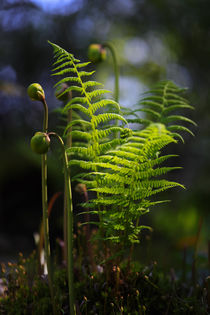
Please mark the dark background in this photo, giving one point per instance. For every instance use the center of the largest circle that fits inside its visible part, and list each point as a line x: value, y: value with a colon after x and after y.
x: 154, y: 40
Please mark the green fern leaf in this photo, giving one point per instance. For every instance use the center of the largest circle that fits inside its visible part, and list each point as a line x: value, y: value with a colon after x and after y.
x: 90, y: 84
x: 173, y: 118
x: 180, y: 128
x: 85, y: 73
x: 161, y: 100
x: 107, y: 117
x: 96, y: 93
x: 103, y: 103
x: 77, y: 122
x: 176, y: 107
x: 125, y: 173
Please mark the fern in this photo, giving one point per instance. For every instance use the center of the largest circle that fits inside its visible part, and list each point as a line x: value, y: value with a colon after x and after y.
x: 159, y: 103
x: 88, y: 105
x: 127, y: 180
x: 125, y: 173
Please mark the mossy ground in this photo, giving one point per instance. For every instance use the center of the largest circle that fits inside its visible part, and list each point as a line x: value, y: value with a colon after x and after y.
x: 128, y: 288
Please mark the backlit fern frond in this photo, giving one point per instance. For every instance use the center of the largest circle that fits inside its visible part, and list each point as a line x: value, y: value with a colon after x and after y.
x: 159, y: 105
x: 86, y: 102
x: 128, y: 176
x: 124, y: 172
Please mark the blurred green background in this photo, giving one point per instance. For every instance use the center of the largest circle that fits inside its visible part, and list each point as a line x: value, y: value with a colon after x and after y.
x: 154, y: 40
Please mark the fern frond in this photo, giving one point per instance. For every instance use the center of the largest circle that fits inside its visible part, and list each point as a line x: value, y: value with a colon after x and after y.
x: 149, y: 111
x: 84, y: 152
x: 82, y: 64
x: 67, y: 79
x: 117, y: 160
x: 125, y: 177
x: 180, y: 128
x: 135, y: 162
x: 90, y: 84
x: 64, y: 71
x: 111, y: 191
x: 75, y: 100
x: 86, y: 165
x: 126, y: 155
x: 155, y: 172
x: 152, y: 102
x: 79, y: 107
x: 104, y: 147
x: 127, y: 172
x: 67, y: 63
x: 85, y: 73
x: 77, y: 134
x: 105, y: 132
x: 63, y: 65
x: 96, y: 93
x: 77, y: 122
x: 173, y: 118
x: 114, y: 167
x: 176, y: 107
x: 161, y: 100
x: 70, y: 89
x: 103, y: 103
x: 107, y: 117
x: 145, y: 122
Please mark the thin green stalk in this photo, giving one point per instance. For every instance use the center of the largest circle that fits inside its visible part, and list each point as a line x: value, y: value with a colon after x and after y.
x: 69, y: 145
x: 116, y: 69
x: 116, y: 74
x: 70, y: 268
x: 45, y: 209
x: 45, y: 213
x: 45, y: 122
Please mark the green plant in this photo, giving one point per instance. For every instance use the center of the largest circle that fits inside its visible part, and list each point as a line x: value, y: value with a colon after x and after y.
x: 111, y: 48
x: 123, y: 167
x: 40, y: 143
x: 158, y: 103
x: 94, y: 139
x: 126, y: 175
x: 27, y: 292
x: 122, y: 171
x: 144, y: 289
x: 36, y: 92
x: 97, y: 53
x: 70, y: 267
x: 126, y: 181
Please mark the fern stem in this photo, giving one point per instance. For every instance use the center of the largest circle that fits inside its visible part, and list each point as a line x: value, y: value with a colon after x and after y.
x: 69, y: 145
x: 116, y: 74
x: 70, y: 268
x: 116, y: 69
x: 45, y: 121
x: 94, y: 131
x: 45, y: 210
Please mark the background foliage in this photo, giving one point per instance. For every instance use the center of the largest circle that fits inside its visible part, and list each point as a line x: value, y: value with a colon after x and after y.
x: 154, y: 40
